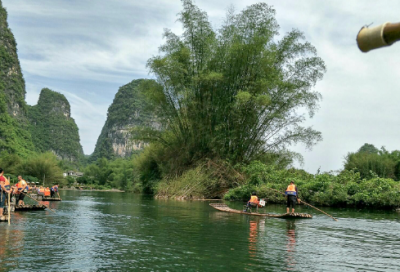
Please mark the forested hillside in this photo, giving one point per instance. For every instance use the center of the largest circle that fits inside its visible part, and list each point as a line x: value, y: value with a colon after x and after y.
x: 14, y: 135
x: 53, y: 128
x: 127, y: 111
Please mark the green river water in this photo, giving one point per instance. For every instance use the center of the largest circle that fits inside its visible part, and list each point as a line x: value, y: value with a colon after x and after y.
x: 102, y: 231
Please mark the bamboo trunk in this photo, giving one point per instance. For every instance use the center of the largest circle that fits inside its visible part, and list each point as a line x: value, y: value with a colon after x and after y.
x: 9, y: 207
x: 378, y: 36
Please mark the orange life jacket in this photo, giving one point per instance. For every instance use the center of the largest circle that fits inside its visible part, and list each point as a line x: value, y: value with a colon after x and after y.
x: 254, y: 199
x: 6, y: 183
x: 291, y: 190
x: 47, y: 192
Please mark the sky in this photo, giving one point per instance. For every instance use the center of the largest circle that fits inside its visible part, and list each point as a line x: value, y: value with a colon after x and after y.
x: 87, y: 49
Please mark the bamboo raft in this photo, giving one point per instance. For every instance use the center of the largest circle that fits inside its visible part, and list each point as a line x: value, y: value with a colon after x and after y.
x: 224, y: 208
x: 44, y: 198
x: 23, y: 208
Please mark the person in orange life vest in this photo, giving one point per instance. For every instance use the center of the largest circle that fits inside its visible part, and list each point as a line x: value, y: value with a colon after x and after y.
x: 4, y: 190
x: 291, y: 196
x: 47, y: 191
x: 22, y: 190
x: 253, y: 202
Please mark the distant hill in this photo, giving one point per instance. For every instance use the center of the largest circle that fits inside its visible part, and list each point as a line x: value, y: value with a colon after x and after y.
x: 52, y: 127
x: 126, y: 112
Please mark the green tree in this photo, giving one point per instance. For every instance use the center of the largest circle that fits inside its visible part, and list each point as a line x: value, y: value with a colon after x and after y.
x: 43, y: 166
x: 232, y: 93
x: 368, y: 148
x: 370, y: 162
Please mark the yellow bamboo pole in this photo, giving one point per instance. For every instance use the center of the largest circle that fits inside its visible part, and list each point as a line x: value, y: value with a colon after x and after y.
x: 9, y: 207
x: 305, y: 203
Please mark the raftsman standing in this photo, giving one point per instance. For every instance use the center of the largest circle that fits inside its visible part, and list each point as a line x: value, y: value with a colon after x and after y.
x: 291, y: 196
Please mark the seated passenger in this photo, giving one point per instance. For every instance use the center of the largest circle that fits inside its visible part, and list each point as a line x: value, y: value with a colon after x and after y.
x: 253, y: 202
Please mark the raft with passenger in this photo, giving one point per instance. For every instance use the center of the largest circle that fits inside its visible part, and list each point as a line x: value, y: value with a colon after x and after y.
x: 224, y: 208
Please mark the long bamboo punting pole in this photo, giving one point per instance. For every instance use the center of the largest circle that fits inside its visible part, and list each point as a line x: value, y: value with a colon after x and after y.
x: 38, y: 202
x: 305, y: 203
x: 9, y: 208
x: 369, y: 38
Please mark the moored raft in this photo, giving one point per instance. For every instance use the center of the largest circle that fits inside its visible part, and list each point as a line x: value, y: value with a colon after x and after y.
x: 224, y: 208
x: 21, y: 208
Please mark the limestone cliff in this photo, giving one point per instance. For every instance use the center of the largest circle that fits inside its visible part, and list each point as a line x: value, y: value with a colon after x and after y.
x: 14, y: 136
x: 12, y: 83
x: 52, y: 127
x: 126, y: 112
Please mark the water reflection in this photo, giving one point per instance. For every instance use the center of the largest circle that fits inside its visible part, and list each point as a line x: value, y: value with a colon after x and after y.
x: 256, y: 225
x: 291, y: 244
x: 11, y: 246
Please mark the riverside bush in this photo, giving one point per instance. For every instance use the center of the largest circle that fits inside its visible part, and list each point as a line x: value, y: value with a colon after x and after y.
x: 325, y: 189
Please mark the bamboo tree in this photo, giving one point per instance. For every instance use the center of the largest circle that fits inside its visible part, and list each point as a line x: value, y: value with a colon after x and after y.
x: 236, y: 92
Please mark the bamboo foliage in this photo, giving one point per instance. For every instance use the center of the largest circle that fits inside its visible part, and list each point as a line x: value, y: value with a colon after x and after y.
x: 234, y: 92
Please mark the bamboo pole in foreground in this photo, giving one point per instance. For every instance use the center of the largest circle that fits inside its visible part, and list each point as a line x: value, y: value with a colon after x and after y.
x: 9, y: 208
x: 305, y: 203
x: 369, y: 38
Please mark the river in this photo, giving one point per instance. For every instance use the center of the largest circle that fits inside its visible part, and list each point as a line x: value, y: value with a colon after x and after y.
x: 103, y: 231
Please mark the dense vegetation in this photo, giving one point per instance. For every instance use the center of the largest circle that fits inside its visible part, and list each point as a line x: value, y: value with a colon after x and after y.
x: 127, y: 111
x: 36, y: 167
x: 107, y: 174
x: 368, y: 179
x: 370, y: 161
x: 327, y: 189
x: 14, y: 136
x: 231, y: 94
x: 52, y: 127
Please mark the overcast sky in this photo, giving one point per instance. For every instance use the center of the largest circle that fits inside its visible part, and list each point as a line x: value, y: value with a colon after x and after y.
x: 87, y: 49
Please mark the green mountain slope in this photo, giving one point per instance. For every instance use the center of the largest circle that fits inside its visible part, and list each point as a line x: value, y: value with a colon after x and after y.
x: 52, y: 127
x: 126, y: 112
x: 14, y: 134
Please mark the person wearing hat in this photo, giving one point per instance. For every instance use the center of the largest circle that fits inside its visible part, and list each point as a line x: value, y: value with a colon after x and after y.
x: 291, y: 196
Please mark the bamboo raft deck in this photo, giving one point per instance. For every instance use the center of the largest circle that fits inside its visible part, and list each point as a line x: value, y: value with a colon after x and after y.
x: 224, y: 208
x: 23, y: 208
x: 44, y: 198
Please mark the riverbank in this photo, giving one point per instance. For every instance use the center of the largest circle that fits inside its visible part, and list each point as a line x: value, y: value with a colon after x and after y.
x: 345, y: 189
x: 329, y: 189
